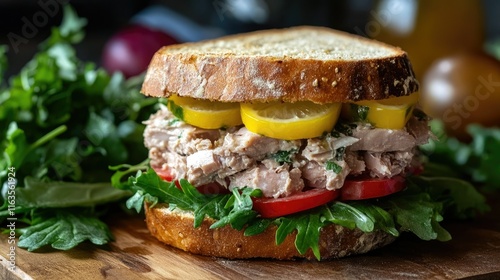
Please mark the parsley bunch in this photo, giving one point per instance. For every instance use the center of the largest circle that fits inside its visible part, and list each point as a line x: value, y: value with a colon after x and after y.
x: 63, y: 121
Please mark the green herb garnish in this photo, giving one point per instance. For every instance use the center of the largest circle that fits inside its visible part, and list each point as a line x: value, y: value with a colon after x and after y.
x: 175, y: 109
x: 332, y: 165
x: 360, y: 112
x: 283, y: 157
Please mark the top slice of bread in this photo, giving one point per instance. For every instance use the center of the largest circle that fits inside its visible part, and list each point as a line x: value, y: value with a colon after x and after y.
x: 295, y: 64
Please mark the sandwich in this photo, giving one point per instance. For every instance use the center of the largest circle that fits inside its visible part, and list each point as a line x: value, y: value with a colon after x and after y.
x: 284, y: 144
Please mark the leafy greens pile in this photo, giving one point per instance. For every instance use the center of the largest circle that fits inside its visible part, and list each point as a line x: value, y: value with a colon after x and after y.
x: 62, y: 123
x: 477, y: 161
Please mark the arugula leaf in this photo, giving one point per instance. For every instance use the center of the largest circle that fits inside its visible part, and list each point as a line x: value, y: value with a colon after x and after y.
x: 381, y: 218
x: 235, y: 210
x: 240, y: 205
x: 136, y: 201
x: 418, y: 214
x: 64, y: 230
x: 308, y: 229
x: 346, y: 215
x: 257, y: 226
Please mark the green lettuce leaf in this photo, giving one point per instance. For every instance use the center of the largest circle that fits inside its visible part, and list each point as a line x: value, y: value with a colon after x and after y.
x: 40, y: 194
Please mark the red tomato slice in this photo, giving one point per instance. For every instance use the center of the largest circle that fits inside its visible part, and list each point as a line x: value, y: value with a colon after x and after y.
x: 371, y: 188
x: 164, y: 174
x: 277, y: 207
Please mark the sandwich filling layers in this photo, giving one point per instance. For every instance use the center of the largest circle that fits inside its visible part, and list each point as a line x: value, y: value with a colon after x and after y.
x: 235, y: 157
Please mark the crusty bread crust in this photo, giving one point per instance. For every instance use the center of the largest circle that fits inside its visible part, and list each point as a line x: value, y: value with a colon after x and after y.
x: 176, y: 229
x: 243, y: 71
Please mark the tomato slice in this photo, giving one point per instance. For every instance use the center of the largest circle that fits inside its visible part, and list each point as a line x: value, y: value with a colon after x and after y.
x: 164, y: 174
x: 371, y: 188
x: 277, y: 207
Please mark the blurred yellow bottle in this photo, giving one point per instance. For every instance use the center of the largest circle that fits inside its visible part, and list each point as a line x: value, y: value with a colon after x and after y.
x: 427, y: 29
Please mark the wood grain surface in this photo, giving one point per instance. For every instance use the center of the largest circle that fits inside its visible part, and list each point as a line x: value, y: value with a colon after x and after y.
x: 474, y: 253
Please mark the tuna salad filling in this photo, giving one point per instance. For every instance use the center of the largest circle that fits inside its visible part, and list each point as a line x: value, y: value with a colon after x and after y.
x: 236, y: 157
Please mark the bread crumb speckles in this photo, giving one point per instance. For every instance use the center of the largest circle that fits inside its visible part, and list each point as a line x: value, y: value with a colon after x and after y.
x: 336, y: 69
x: 324, y: 79
x: 315, y: 83
x: 302, y: 75
x: 334, y: 83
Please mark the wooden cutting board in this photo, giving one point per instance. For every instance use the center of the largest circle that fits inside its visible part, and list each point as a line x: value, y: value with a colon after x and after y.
x: 474, y: 253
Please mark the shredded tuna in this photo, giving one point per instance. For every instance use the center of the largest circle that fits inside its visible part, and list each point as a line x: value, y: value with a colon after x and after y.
x: 382, y: 140
x: 165, y: 131
x: 419, y: 129
x: 356, y: 162
x: 237, y: 157
x: 317, y: 176
x: 387, y: 164
x: 274, y: 181
x: 202, y: 166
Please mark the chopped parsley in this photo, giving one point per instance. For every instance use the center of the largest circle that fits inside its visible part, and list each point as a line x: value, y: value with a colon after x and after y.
x: 344, y: 128
x: 360, y: 112
x: 283, y: 157
x: 173, y: 121
x: 332, y: 165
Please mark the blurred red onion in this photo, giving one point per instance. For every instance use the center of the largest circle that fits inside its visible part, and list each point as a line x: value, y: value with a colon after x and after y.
x: 130, y: 50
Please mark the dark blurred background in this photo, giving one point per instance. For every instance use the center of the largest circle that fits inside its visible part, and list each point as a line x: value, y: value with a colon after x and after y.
x: 105, y: 18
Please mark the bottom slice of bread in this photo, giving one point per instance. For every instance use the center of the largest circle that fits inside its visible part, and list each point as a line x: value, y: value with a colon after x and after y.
x: 176, y: 228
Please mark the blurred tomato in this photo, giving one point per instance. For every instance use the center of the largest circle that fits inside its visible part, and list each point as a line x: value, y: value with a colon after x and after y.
x: 130, y: 50
x: 463, y: 89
